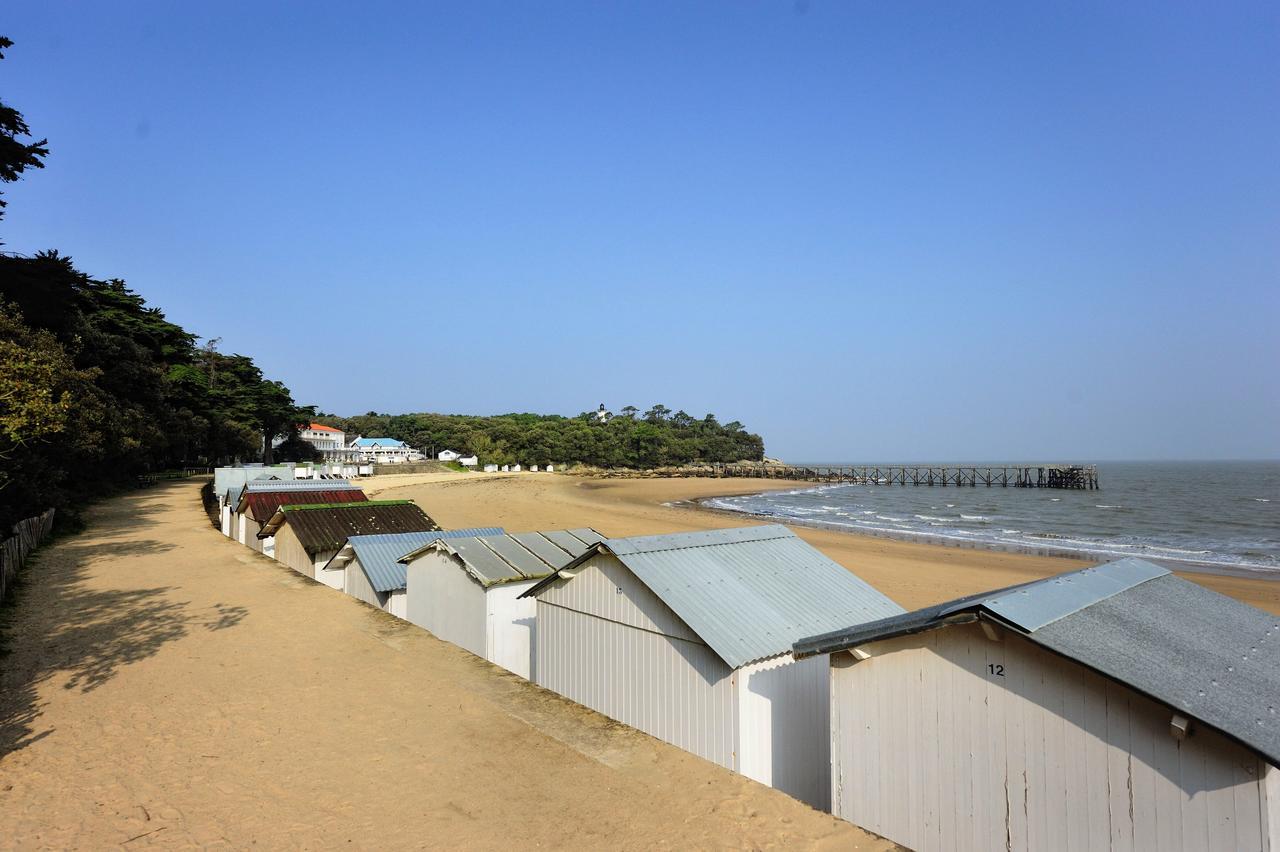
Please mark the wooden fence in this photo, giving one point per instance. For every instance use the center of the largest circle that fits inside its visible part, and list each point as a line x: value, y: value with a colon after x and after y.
x: 27, y: 535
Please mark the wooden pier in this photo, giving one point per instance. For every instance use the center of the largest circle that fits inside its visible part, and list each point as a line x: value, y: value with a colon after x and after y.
x: 1073, y: 476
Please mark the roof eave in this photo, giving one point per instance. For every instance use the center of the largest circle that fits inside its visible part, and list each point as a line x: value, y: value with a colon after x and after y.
x: 577, y: 562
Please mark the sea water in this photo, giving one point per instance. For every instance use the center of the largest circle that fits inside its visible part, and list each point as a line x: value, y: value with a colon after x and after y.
x: 1210, y: 515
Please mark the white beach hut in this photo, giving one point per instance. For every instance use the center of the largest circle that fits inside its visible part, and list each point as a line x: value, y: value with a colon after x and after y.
x: 467, y: 590
x: 366, y: 566
x: 491, y: 468
x: 1115, y: 707
x: 688, y: 638
x: 228, y: 483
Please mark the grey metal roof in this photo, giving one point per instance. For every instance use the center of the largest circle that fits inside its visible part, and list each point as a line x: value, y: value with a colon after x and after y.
x: 227, y: 481
x: 298, y: 485
x: 378, y: 554
x: 1206, y: 655
x: 570, y: 541
x: 494, y: 559
x: 749, y: 592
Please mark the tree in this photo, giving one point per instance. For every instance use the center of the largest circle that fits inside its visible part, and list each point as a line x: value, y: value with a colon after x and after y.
x: 16, y: 156
x: 657, y: 414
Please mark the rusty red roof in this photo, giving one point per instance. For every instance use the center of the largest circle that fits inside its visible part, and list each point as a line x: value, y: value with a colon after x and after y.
x: 320, y: 427
x: 261, y: 505
x: 327, y: 527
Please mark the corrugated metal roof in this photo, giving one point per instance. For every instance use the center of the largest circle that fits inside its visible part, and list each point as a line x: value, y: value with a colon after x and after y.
x: 264, y: 504
x: 378, y: 554
x: 227, y: 481
x: 335, y: 484
x: 494, y: 559
x: 1201, y: 653
x: 749, y: 592
x: 1032, y: 607
x: 568, y: 541
x: 327, y: 527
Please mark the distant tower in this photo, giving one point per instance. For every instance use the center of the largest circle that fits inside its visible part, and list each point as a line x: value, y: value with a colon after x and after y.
x: 602, y: 414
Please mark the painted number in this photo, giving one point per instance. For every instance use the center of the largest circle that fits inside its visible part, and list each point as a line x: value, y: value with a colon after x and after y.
x: 996, y: 669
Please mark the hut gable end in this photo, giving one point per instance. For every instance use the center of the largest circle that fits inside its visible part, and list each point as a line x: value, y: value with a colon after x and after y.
x: 605, y: 588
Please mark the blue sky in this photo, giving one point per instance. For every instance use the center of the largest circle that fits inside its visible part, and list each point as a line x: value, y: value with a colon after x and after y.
x: 875, y: 231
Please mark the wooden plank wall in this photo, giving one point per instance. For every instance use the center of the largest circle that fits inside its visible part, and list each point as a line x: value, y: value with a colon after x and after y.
x: 949, y: 740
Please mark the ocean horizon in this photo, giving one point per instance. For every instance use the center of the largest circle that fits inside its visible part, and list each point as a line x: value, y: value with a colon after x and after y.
x: 1218, y: 516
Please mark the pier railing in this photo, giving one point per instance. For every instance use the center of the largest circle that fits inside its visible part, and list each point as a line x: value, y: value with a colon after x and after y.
x: 1081, y: 477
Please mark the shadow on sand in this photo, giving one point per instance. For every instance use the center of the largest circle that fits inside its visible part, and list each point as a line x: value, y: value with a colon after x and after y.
x: 56, y: 627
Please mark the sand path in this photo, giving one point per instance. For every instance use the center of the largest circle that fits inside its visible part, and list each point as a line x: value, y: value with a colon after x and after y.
x: 166, y: 687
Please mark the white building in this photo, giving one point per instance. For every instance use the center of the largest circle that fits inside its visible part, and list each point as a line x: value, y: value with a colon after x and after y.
x: 491, y: 468
x: 366, y: 566
x: 448, y: 455
x: 467, y: 590
x: 383, y: 451
x: 331, y: 442
x: 1115, y: 707
x: 688, y: 638
x: 468, y: 461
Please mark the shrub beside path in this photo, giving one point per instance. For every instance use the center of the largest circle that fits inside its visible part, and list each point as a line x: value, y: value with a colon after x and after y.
x: 163, y: 686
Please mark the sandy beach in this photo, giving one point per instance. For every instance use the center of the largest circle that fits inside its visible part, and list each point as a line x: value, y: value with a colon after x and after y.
x: 165, y: 687
x: 913, y: 574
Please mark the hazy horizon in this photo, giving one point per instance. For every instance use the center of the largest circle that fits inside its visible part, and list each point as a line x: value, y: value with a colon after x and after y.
x: 864, y: 231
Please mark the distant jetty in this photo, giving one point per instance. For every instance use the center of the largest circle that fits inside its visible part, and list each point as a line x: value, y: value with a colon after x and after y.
x: 1071, y: 476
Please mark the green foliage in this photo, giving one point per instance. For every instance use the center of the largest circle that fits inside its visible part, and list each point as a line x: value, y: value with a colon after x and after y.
x: 97, y: 387
x: 16, y: 156
x: 660, y: 438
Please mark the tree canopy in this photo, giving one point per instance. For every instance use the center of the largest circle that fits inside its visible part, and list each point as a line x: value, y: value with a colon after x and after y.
x: 657, y: 439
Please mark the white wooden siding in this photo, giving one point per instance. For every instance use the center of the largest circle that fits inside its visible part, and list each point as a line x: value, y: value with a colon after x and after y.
x: 511, y: 627
x: 396, y: 604
x: 356, y: 584
x: 605, y: 588
x: 783, y: 726
x: 445, y: 600
x: 674, y: 689
x: 225, y: 517
x: 934, y: 750
x: 290, y: 552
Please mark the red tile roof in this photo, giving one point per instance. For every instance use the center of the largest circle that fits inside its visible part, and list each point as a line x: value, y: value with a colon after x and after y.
x: 320, y: 427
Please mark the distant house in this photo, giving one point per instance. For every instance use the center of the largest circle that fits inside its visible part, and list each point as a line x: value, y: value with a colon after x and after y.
x: 467, y: 590
x: 331, y: 442
x: 491, y: 468
x: 448, y: 455
x: 688, y: 637
x: 261, y: 499
x: 383, y: 450
x: 468, y: 461
x: 308, y: 536
x: 1115, y: 707
x: 366, y: 567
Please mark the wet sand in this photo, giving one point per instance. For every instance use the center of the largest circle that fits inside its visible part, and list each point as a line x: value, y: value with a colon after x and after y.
x: 914, y: 574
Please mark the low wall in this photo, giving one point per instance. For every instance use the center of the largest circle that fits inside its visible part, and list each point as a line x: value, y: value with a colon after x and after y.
x: 27, y: 535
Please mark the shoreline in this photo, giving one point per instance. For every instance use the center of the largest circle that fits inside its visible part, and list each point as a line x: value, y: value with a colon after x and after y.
x: 913, y: 573
x: 937, y: 540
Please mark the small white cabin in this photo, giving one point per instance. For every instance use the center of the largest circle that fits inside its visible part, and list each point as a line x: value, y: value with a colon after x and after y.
x: 467, y: 590
x: 688, y: 638
x: 366, y: 566
x: 468, y: 461
x: 1115, y: 707
x: 491, y: 468
x: 448, y: 455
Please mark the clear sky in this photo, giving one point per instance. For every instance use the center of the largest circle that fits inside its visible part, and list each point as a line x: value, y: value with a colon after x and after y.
x: 872, y: 231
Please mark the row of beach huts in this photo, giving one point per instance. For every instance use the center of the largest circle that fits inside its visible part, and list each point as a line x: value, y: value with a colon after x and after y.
x: 1118, y: 707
